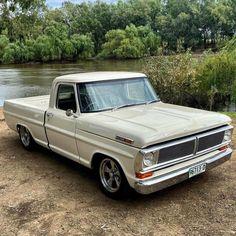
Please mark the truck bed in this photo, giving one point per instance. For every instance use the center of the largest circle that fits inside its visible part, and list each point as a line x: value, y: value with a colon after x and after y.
x: 29, y: 111
x: 38, y: 102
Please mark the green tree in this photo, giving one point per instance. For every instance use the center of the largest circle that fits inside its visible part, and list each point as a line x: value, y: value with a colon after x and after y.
x: 142, y: 27
x: 4, y: 41
x: 20, y: 19
x: 223, y: 15
x: 68, y: 50
x: 16, y: 53
x: 150, y: 40
x: 43, y: 48
x: 83, y: 45
x: 57, y: 34
x: 133, y: 42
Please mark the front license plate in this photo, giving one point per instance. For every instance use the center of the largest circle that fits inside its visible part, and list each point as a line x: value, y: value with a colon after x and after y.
x: 197, y: 170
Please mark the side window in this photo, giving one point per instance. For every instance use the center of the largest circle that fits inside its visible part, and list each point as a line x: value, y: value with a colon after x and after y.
x: 66, y: 97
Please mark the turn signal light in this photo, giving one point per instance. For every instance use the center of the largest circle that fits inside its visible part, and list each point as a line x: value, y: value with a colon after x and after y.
x: 144, y: 175
x: 223, y: 148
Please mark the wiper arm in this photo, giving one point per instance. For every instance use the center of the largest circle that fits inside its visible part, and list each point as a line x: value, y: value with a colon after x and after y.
x: 149, y: 102
x: 135, y: 104
x: 125, y: 105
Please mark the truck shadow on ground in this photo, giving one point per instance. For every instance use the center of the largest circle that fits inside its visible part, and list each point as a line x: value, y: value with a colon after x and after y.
x: 87, y: 177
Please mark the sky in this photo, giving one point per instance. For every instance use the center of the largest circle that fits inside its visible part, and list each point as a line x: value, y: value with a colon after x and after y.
x: 57, y: 3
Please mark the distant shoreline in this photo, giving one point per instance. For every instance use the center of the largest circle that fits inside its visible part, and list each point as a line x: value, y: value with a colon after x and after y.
x: 73, y: 62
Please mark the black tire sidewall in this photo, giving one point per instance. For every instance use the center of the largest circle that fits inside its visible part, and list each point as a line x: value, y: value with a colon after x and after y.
x: 124, y: 186
x: 31, y: 141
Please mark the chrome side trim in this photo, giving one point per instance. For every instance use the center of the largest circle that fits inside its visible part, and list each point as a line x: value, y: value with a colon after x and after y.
x: 177, y: 176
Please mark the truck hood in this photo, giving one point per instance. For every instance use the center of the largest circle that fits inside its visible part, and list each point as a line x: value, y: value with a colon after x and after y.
x: 151, y: 124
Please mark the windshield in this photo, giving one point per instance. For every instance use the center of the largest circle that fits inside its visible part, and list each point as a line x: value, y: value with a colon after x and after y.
x: 115, y: 94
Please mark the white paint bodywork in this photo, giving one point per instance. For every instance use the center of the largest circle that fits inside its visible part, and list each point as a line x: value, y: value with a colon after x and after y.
x: 82, y: 136
x: 151, y: 124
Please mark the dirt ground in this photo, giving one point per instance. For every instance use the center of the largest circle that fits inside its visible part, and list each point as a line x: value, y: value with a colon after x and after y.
x: 42, y: 193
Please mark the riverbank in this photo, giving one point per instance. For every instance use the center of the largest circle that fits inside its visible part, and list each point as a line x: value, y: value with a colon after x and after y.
x: 31, y: 80
x: 42, y: 193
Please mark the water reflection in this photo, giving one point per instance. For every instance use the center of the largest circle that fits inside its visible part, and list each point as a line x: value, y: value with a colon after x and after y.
x: 30, y: 80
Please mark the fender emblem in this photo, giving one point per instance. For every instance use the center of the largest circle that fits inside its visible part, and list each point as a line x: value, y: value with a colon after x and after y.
x: 124, y: 140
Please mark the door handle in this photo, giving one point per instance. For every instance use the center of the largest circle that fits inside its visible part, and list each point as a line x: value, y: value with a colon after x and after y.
x: 49, y: 115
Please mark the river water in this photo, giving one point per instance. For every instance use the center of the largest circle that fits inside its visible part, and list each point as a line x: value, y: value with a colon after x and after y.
x: 18, y: 81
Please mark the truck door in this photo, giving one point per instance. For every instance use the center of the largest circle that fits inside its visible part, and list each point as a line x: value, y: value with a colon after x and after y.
x: 60, y: 128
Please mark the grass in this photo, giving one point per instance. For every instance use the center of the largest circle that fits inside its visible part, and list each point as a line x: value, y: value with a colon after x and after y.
x: 230, y: 114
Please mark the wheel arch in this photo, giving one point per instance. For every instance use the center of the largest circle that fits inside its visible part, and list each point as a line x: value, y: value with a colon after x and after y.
x: 125, y: 186
x: 98, y: 156
x: 18, y: 125
x: 126, y: 163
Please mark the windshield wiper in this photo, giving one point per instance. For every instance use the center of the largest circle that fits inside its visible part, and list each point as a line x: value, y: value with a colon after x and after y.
x: 149, y: 102
x: 134, y: 104
x: 125, y: 105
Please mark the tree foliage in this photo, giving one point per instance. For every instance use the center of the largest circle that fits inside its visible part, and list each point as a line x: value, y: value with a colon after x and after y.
x: 125, y: 29
x: 132, y: 42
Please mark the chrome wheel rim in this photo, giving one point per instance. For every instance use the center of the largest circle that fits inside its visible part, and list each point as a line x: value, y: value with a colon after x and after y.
x: 25, y: 136
x: 110, y: 175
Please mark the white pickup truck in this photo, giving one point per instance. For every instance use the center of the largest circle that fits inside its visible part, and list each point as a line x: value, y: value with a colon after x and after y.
x: 115, y: 123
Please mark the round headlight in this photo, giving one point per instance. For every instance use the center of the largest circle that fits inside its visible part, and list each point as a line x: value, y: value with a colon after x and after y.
x: 227, y: 136
x: 149, y: 159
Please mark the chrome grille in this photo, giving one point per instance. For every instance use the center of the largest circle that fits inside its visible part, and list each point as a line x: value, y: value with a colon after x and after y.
x: 187, y: 148
x: 210, y: 141
x: 176, y: 151
x: 190, y: 147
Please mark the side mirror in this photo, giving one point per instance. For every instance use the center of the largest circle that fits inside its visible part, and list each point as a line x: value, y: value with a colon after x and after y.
x: 69, y: 112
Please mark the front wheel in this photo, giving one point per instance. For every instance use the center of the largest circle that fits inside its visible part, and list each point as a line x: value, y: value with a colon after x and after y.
x: 26, y: 138
x: 112, y: 180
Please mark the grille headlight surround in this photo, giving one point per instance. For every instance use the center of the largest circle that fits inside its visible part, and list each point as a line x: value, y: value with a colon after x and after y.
x: 150, y: 159
x: 228, y: 135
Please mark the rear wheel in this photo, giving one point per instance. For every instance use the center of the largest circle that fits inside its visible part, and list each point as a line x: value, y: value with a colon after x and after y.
x: 112, y: 180
x: 26, y: 138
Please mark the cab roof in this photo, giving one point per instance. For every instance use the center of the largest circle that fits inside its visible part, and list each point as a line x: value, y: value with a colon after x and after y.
x: 97, y: 76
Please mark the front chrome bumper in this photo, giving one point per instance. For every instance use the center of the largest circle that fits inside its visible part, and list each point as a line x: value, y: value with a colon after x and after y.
x: 177, y: 176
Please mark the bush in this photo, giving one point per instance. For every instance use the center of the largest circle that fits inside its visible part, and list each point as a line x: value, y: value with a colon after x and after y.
x: 208, y: 83
x: 217, y: 79
x: 231, y: 45
x: 173, y: 77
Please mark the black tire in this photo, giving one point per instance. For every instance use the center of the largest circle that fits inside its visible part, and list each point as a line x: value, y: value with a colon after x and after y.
x: 112, y: 180
x: 26, y: 138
